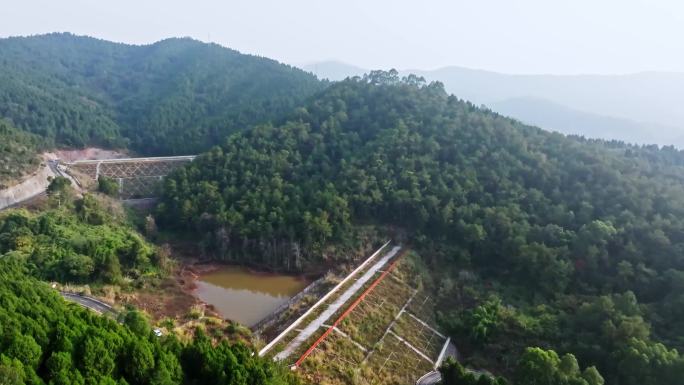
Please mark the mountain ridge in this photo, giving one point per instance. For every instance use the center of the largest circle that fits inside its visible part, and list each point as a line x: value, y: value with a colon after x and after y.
x: 556, y: 117
x: 618, y: 97
x: 178, y: 95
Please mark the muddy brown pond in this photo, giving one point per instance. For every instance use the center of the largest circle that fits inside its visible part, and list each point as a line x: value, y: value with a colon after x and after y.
x: 245, y: 296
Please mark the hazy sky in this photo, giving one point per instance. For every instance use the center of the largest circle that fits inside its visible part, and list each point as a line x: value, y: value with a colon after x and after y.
x: 515, y: 36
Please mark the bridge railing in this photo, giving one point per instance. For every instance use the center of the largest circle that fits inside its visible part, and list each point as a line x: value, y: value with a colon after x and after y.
x: 124, y: 160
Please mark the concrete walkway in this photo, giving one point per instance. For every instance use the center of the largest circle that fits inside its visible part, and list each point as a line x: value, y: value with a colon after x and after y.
x: 311, y: 328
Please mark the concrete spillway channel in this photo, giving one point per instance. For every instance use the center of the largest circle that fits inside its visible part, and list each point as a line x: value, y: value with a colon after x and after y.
x: 332, y: 295
x: 314, y: 325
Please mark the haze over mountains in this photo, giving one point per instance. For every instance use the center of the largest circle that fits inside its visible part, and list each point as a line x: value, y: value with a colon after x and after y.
x: 639, y: 108
x: 180, y: 95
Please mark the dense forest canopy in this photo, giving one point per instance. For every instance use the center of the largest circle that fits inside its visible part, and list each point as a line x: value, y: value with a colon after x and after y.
x: 87, y: 239
x: 581, y: 240
x: 177, y: 96
x: 44, y: 340
x: 79, y: 242
x: 18, y: 152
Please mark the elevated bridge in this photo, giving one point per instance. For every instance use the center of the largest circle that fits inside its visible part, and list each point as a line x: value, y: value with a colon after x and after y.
x: 137, y: 177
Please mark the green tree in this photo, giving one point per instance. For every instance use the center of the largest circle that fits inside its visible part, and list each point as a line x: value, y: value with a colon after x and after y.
x: 25, y: 349
x: 11, y: 371
x: 97, y: 360
x: 538, y: 367
x: 59, y: 190
x: 544, y: 367
x: 137, y: 322
x: 483, y: 320
x: 59, y: 368
x: 77, y: 268
x: 139, y: 362
x: 107, y: 186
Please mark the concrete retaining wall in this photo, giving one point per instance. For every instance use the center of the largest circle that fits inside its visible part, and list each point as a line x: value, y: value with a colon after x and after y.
x: 275, y: 315
x: 34, y: 185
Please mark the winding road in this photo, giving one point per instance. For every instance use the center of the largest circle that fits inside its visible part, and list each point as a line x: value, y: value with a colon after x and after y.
x: 88, y: 302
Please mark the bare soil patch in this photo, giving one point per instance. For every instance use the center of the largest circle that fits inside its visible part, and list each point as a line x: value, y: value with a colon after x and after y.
x: 88, y: 153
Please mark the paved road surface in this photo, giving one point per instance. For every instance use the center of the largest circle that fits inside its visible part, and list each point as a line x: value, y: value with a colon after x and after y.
x: 54, y: 166
x: 88, y: 302
x: 311, y: 328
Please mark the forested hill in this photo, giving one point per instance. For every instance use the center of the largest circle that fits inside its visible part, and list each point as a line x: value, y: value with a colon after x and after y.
x: 18, y: 153
x: 582, y: 241
x: 44, y: 340
x: 176, y: 96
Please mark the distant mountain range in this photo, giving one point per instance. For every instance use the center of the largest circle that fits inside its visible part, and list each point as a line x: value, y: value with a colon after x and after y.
x: 334, y: 70
x: 183, y: 96
x: 557, y: 117
x: 641, y: 108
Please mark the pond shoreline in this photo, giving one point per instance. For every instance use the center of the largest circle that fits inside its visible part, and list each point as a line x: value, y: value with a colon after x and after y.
x: 199, y: 268
x: 241, y: 293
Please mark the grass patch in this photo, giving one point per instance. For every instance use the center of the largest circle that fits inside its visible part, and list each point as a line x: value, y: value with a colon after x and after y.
x: 369, y: 320
x: 418, y: 335
x: 393, y: 363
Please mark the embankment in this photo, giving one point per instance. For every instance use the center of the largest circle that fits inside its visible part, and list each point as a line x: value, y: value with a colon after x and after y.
x: 30, y: 187
x: 35, y: 184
